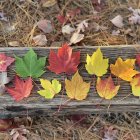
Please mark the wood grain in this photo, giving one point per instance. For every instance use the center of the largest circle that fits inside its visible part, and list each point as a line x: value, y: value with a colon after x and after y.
x: 37, y: 105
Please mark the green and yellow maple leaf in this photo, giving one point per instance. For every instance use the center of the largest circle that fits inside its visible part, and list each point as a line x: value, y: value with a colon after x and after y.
x: 50, y: 89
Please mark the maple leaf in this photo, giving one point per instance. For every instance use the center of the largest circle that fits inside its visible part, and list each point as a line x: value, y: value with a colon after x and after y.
x: 50, y: 89
x: 5, y: 61
x: 3, y: 80
x: 29, y: 65
x: 77, y: 88
x: 124, y: 69
x: 22, y: 88
x: 138, y: 59
x: 96, y: 64
x: 135, y: 85
x: 106, y: 88
x: 64, y: 60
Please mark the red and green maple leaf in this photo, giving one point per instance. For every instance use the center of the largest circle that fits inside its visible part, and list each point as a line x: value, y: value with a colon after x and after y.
x: 64, y: 61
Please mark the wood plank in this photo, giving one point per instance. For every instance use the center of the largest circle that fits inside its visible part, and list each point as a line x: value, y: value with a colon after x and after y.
x: 36, y: 104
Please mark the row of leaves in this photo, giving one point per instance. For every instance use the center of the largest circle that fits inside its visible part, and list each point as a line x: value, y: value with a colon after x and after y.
x: 66, y: 61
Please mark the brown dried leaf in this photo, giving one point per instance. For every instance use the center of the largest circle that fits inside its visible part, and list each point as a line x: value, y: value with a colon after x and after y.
x: 48, y: 3
x: 14, y: 43
x: 135, y: 18
x: 2, y: 17
x: 76, y: 37
x: 17, y: 133
x: 82, y: 25
x: 118, y: 21
x: 40, y: 40
x: 110, y: 133
x: 45, y: 26
x: 67, y: 29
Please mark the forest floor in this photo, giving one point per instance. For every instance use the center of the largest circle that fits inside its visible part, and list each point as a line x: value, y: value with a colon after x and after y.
x: 95, y: 22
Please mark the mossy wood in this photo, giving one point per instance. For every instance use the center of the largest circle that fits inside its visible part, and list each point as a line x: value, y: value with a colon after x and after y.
x: 37, y: 105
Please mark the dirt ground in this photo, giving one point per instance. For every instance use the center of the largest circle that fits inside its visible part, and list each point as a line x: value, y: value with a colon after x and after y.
x: 18, y: 27
x: 23, y: 15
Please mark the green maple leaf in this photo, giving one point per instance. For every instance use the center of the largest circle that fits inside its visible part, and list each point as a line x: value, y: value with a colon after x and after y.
x: 29, y: 65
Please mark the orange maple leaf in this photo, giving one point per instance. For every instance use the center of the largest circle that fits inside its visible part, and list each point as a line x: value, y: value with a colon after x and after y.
x: 124, y: 69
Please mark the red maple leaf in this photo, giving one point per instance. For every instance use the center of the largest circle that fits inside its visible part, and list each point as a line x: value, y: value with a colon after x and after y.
x: 138, y: 59
x: 5, y: 61
x: 22, y: 88
x: 64, y: 60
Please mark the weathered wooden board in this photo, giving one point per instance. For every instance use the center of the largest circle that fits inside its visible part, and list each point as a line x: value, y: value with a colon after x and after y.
x: 37, y: 105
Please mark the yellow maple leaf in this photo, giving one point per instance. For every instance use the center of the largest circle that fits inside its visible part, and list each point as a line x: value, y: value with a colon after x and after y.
x: 77, y: 88
x: 124, y: 69
x: 106, y: 88
x: 96, y: 64
x: 50, y: 89
x: 135, y: 85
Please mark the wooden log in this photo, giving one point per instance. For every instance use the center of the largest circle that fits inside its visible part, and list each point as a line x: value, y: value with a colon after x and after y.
x: 37, y: 105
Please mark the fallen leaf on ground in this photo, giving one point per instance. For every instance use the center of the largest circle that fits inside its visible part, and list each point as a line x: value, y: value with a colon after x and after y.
x: 106, y: 88
x: 73, y: 12
x: 30, y: 65
x: 67, y: 29
x: 19, y: 133
x: 97, y: 27
x: 77, y: 88
x: 135, y: 85
x: 40, y: 40
x: 3, y: 80
x: 64, y: 61
x: 5, y: 61
x: 2, y: 17
x: 138, y: 59
x: 135, y: 18
x: 110, y: 133
x: 96, y: 64
x: 5, y: 124
x: 124, y: 69
x: 21, y: 89
x: 62, y: 19
x: 50, y: 89
x: 48, y: 3
x: 76, y: 37
x: 8, y: 28
x: 116, y: 32
x: 98, y: 4
x: 45, y: 26
x: 82, y: 26
x: 14, y: 43
x: 118, y: 21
